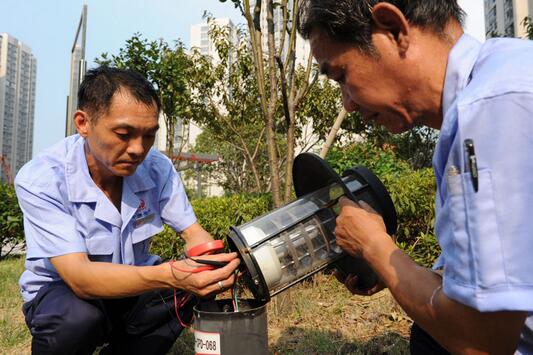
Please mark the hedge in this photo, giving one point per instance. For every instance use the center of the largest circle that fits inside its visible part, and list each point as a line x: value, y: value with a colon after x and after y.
x: 11, y: 225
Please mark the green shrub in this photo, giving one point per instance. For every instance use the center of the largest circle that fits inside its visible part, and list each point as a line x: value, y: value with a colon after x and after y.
x: 167, y: 244
x: 216, y: 215
x: 381, y: 162
x: 413, y: 195
x: 424, y: 250
x: 11, y: 225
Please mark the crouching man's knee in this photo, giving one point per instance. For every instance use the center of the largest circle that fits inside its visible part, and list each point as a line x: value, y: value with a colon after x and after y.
x: 61, y: 323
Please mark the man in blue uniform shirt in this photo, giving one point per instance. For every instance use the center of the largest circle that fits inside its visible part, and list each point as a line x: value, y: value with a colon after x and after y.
x: 91, y: 204
x: 408, y: 63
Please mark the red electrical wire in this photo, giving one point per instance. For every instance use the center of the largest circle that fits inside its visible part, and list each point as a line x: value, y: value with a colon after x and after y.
x: 177, y: 306
x: 202, y: 249
x: 191, y: 271
x: 187, y: 296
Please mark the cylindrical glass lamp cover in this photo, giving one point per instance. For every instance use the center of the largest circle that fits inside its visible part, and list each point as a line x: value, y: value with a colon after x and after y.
x: 287, y: 245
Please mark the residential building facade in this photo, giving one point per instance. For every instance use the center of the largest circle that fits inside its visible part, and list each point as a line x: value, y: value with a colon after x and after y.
x: 77, y: 71
x: 200, y: 37
x: 506, y: 17
x: 18, y: 70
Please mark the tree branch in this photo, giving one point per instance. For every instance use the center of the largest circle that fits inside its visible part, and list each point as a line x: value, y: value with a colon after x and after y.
x: 331, y: 136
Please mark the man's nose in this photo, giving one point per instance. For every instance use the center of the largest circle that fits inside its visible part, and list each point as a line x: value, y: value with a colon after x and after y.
x: 136, y: 147
x: 348, y: 103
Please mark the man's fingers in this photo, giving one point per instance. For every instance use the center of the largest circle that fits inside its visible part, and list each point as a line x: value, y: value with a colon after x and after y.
x: 226, y: 271
x: 217, y: 257
x: 366, y: 207
x: 219, y: 286
x: 345, y: 201
x: 351, y: 282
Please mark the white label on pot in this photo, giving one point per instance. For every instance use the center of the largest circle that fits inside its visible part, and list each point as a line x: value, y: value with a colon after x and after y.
x: 206, y: 343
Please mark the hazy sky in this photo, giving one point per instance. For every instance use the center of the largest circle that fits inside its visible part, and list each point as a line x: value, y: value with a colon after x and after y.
x: 48, y: 27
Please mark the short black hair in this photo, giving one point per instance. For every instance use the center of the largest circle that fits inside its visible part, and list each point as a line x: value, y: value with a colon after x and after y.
x: 100, y: 84
x: 350, y: 21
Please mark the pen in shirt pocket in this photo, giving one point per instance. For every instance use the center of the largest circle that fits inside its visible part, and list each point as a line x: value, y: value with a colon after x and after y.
x: 472, y: 162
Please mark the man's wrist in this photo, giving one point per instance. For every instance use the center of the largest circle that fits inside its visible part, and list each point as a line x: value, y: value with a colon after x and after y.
x: 160, y: 276
x: 377, y: 248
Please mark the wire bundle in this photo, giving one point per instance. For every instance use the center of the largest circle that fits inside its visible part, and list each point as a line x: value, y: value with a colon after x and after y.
x: 234, y: 290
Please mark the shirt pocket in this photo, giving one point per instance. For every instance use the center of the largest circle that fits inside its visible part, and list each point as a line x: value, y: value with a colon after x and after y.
x: 476, y: 258
x: 100, y: 247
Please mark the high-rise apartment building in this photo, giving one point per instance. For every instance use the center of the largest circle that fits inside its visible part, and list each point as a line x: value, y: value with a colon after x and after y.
x: 505, y: 17
x: 200, y: 37
x: 77, y: 71
x: 18, y: 69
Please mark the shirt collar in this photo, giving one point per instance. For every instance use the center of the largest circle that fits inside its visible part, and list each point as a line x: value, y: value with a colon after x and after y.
x: 80, y: 185
x: 461, y: 62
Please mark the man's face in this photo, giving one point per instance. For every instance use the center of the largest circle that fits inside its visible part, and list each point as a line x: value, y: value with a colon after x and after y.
x: 369, y: 84
x: 118, y: 141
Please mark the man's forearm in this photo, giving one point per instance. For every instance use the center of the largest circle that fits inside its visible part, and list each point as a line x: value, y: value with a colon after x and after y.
x: 106, y: 280
x: 459, y: 328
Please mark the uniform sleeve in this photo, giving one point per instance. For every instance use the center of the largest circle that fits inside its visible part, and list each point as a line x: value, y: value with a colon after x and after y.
x: 176, y: 210
x: 488, y: 264
x: 49, y: 228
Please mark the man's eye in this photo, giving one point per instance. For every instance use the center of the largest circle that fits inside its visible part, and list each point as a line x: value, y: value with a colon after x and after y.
x: 122, y: 135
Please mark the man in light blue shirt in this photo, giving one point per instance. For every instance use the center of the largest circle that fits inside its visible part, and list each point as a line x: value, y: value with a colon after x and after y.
x: 91, y: 204
x: 408, y: 63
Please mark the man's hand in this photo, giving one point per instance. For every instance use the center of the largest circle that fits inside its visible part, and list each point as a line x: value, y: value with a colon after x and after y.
x: 357, y: 225
x: 352, y: 284
x: 208, y: 282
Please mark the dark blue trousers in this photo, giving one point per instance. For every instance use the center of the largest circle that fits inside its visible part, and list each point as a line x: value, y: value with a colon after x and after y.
x: 421, y: 343
x: 62, y: 323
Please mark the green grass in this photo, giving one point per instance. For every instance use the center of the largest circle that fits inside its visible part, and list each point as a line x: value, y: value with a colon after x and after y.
x: 317, y: 317
x: 14, y: 336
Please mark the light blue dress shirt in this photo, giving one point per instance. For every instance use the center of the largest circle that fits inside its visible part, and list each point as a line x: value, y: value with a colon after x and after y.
x: 65, y: 212
x: 487, y: 236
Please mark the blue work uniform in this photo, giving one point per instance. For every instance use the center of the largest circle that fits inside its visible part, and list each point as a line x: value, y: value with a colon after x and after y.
x: 486, y: 235
x: 65, y: 212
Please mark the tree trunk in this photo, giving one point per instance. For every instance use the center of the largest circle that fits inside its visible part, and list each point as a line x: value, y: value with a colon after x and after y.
x: 270, y: 131
x: 267, y: 108
x: 171, y: 129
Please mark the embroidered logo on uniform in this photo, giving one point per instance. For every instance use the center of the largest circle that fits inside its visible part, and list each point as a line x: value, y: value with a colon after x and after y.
x: 139, y: 222
x: 143, y: 215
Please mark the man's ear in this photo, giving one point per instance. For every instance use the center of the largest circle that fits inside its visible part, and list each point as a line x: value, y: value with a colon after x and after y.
x: 388, y: 18
x: 82, y: 122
